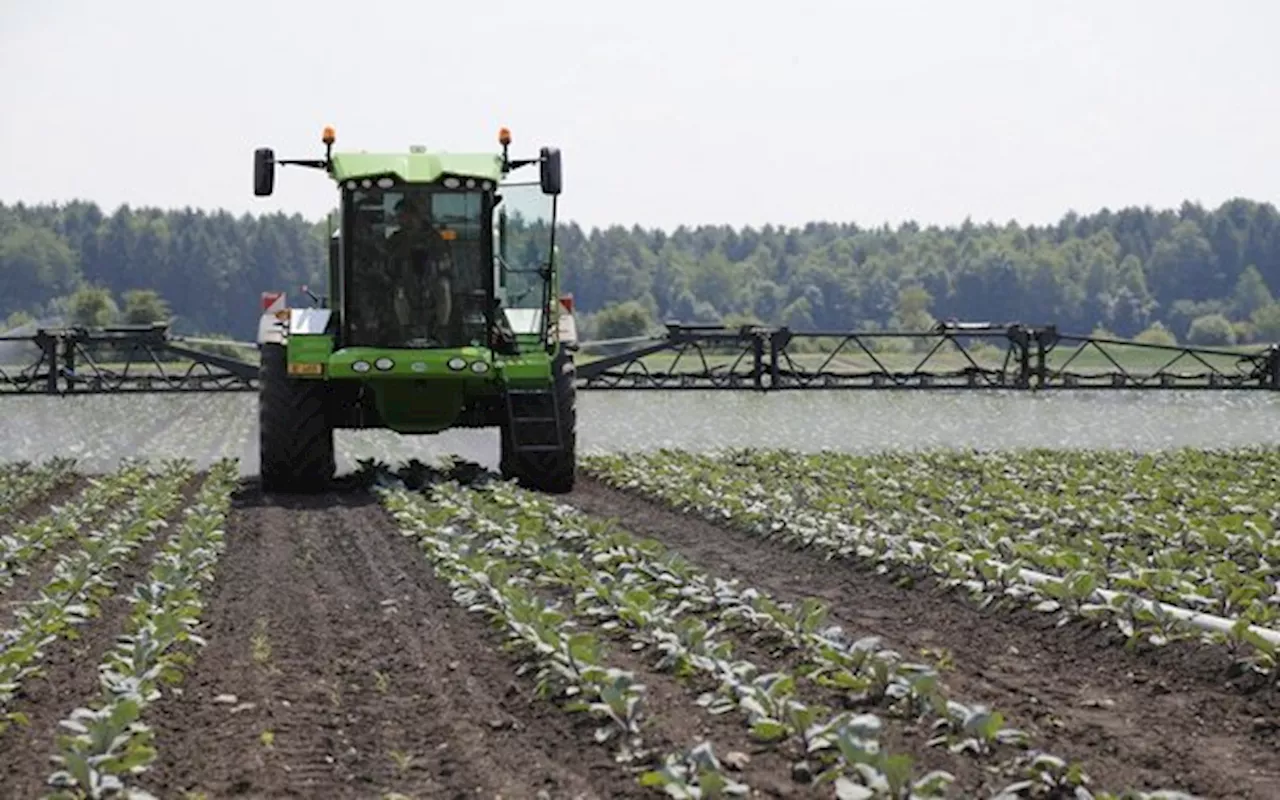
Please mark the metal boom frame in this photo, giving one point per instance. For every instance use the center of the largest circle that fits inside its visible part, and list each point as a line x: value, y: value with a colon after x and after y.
x: 766, y: 358
x: 122, y: 359
x: 131, y: 359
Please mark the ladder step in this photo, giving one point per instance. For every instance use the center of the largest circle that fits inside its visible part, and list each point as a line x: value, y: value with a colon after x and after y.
x: 529, y: 434
x: 534, y: 420
x: 537, y: 448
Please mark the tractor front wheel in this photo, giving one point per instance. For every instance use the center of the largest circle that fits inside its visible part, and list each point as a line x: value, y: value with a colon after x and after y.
x: 295, y: 438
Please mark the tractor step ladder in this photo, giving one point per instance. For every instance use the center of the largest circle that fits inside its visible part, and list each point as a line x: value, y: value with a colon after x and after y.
x: 535, y: 420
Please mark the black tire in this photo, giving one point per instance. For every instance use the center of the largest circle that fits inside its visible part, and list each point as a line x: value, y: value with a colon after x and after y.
x: 295, y: 439
x: 550, y: 472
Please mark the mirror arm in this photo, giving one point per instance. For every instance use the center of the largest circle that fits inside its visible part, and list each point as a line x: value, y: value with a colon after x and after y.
x: 315, y: 163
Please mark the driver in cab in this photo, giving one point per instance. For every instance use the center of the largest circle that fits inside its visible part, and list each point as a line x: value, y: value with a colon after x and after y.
x: 427, y: 269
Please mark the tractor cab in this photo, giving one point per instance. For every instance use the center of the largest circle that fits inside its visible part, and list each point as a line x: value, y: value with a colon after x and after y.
x: 438, y: 250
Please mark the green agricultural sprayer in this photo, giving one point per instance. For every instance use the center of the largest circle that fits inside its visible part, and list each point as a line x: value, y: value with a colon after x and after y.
x: 442, y: 310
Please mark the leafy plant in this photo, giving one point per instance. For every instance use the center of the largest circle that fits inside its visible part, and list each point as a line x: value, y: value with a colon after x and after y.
x: 108, y: 744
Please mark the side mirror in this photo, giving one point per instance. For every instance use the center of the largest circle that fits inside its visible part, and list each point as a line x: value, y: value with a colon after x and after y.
x: 550, y: 163
x: 264, y: 171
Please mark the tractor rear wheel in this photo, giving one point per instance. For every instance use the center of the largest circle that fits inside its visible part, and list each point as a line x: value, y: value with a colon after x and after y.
x: 295, y: 439
x: 550, y: 471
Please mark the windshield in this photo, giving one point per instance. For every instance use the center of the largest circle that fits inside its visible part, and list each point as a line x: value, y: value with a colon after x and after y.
x: 523, y: 224
x: 417, y: 271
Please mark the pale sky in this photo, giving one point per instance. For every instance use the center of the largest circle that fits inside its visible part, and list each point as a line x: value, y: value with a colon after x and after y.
x: 688, y: 112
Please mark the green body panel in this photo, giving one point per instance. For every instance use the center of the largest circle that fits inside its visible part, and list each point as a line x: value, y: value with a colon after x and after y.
x: 420, y: 393
x: 417, y: 167
x: 311, y: 348
x: 526, y: 369
x: 429, y: 398
x: 413, y: 364
x: 406, y: 407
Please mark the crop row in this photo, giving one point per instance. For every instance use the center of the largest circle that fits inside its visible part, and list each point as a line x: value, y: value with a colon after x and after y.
x: 107, y: 744
x: 567, y: 586
x: 20, y: 483
x: 28, y: 540
x: 82, y: 579
x: 1127, y: 539
x: 1171, y: 525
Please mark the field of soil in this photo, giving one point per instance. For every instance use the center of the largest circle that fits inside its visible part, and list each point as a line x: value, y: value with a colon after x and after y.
x: 338, y: 664
x: 1167, y: 717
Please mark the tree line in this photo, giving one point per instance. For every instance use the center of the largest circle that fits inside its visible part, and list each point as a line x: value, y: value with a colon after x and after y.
x: 1190, y: 274
x: 204, y: 268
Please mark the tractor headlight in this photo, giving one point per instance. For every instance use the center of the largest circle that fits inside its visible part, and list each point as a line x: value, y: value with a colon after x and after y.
x: 360, y: 366
x: 479, y: 367
x: 384, y: 364
x: 457, y: 363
